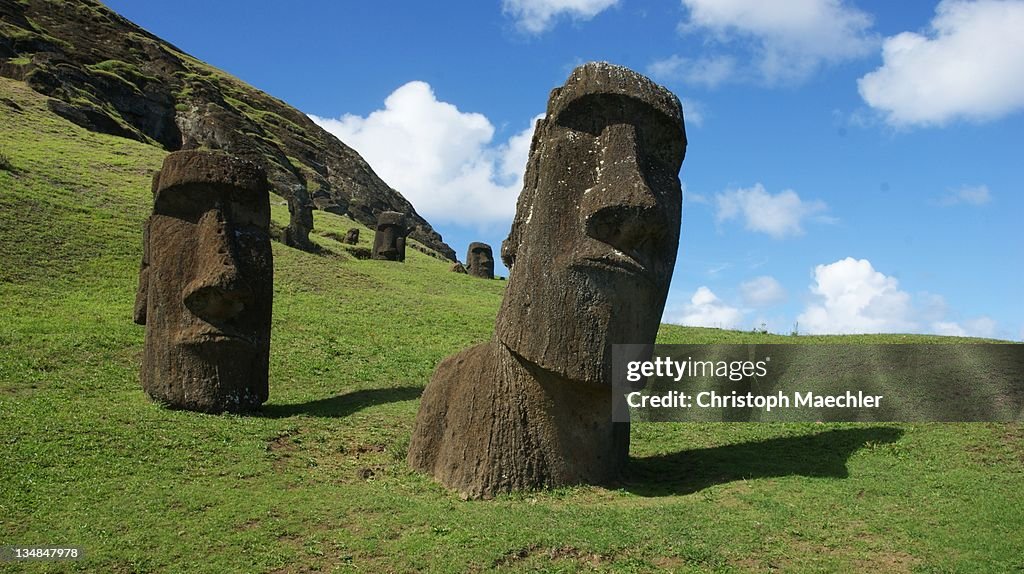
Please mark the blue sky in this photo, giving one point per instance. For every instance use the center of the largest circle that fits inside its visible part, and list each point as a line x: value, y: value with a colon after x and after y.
x: 853, y: 166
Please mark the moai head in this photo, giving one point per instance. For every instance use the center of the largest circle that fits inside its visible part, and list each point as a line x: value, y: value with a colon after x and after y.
x: 480, y: 260
x: 352, y: 236
x: 389, y: 240
x: 206, y: 284
x: 594, y: 239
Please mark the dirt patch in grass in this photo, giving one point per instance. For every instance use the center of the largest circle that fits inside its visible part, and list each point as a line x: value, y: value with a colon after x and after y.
x: 808, y: 554
x: 535, y: 555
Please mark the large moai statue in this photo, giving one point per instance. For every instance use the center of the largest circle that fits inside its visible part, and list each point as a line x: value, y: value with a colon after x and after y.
x: 206, y: 284
x: 389, y: 240
x: 480, y: 260
x: 591, y: 253
x: 300, y: 223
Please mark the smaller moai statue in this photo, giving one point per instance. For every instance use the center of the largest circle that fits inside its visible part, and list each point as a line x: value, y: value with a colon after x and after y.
x: 480, y: 260
x: 352, y: 236
x: 389, y: 240
x: 206, y: 284
x: 300, y: 207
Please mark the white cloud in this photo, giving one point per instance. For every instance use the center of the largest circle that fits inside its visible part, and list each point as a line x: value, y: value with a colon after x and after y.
x: 536, y: 16
x: 978, y: 327
x: 777, y: 215
x: 854, y: 298
x: 970, y: 66
x: 790, y: 38
x: 705, y: 309
x: 693, y: 112
x: 706, y: 72
x: 763, y: 291
x: 441, y: 159
x: 971, y: 195
x: 948, y: 328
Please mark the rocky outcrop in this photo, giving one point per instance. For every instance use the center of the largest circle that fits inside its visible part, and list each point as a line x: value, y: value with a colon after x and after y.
x: 108, y: 75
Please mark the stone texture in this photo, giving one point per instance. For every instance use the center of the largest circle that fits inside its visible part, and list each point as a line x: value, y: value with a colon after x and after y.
x: 352, y: 236
x: 480, y: 260
x: 591, y: 253
x: 458, y: 268
x: 389, y: 240
x: 206, y: 284
x: 300, y: 223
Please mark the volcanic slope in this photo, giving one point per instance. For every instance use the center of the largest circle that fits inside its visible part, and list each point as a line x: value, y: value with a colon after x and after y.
x: 106, y: 74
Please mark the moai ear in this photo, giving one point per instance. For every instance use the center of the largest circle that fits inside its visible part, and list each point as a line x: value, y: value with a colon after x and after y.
x: 509, y: 247
x: 142, y: 292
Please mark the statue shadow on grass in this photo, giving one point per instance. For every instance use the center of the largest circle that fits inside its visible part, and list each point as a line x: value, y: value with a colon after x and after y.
x: 821, y: 454
x: 342, y: 405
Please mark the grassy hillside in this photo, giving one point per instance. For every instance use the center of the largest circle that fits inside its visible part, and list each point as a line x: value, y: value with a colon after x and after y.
x: 317, y: 482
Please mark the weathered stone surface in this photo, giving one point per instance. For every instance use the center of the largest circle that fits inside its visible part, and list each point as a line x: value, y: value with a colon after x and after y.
x: 480, y: 260
x: 458, y: 268
x: 352, y: 236
x: 331, y: 204
x: 389, y: 240
x: 591, y: 253
x: 300, y: 223
x: 206, y: 284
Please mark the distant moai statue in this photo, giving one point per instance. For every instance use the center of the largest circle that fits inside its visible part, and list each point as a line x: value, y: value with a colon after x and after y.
x: 352, y: 236
x: 591, y: 253
x: 206, y: 284
x: 300, y: 223
x: 458, y: 268
x: 480, y: 260
x: 389, y: 240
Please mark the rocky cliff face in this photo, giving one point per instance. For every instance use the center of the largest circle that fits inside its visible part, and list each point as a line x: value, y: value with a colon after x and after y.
x: 108, y: 75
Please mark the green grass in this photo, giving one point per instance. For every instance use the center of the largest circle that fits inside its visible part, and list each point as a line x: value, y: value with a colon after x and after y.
x: 318, y: 483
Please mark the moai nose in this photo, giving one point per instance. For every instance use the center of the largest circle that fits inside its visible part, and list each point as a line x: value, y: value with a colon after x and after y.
x: 622, y: 210
x: 218, y: 292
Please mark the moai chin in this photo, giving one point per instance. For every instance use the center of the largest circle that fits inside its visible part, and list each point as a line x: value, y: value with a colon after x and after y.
x: 389, y: 239
x: 590, y: 252
x: 480, y: 260
x: 206, y: 284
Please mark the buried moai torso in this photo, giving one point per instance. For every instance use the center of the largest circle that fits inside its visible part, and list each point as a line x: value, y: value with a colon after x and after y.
x: 480, y: 260
x: 206, y: 284
x: 389, y: 239
x: 352, y: 236
x: 590, y: 253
